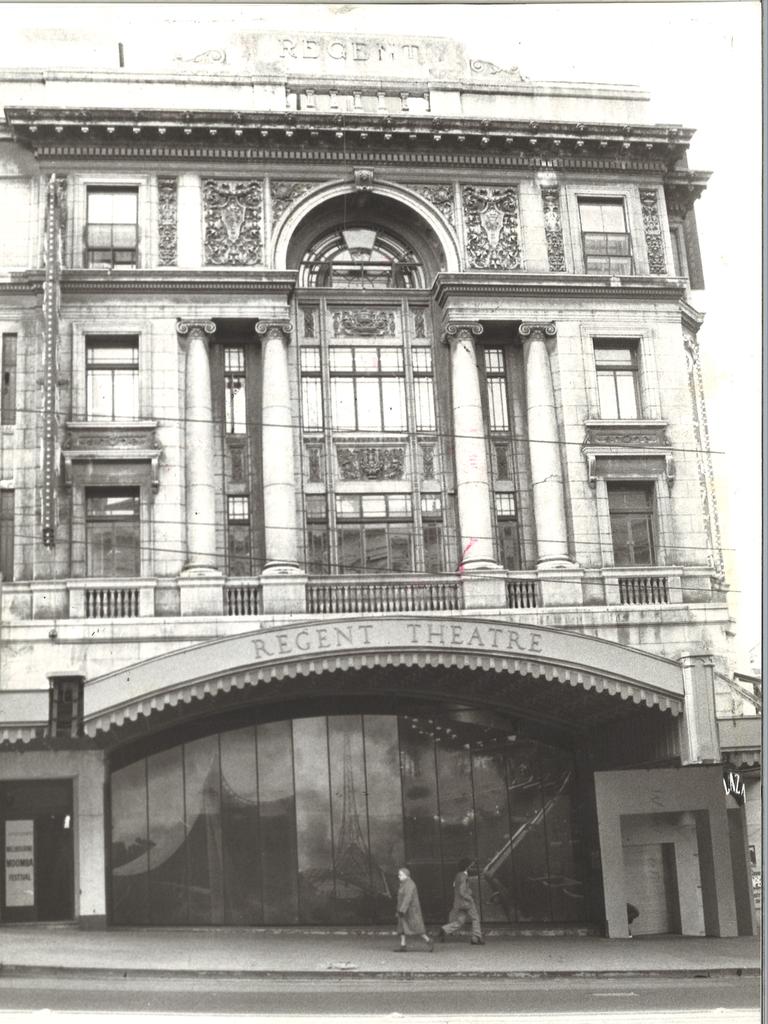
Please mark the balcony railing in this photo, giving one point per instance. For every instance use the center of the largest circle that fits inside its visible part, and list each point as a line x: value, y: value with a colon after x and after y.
x: 244, y: 598
x: 111, y: 602
x: 345, y: 594
x: 523, y: 593
x: 640, y: 587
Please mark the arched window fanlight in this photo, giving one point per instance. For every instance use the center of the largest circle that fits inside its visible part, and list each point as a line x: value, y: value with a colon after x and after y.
x: 360, y: 257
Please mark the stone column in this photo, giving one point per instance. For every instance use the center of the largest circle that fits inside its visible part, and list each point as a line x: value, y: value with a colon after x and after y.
x: 472, y: 478
x: 279, y: 482
x: 199, y: 449
x: 544, y: 445
x: 700, y: 741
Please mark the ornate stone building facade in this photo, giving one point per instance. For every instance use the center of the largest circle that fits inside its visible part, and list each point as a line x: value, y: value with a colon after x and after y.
x: 356, y: 498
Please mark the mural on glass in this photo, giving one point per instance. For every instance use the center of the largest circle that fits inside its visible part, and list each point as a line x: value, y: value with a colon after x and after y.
x: 307, y: 821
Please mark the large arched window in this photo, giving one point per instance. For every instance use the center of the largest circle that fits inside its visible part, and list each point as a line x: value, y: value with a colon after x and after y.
x: 360, y: 257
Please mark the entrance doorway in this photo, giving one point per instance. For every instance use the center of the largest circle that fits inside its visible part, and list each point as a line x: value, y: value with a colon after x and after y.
x: 37, y: 882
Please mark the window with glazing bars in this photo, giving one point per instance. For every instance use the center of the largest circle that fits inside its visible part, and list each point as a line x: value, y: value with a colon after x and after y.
x: 632, y: 526
x: 605, y: 239
x: 423, y: 389
x: 507, y: 530
x: 617, y: 383
x: 318, y: 539
x: 112, y: 531
x: 311, y: 388
x: 8, y: 370
x: 234, y: 390
x: 367, y: 388
x: 239, y: 559
x: 112, y: 378
x: 432, y: 532
x: 6, y: 534
x: 111, y: 230
x: 496, y: 388
x: 374, y: 532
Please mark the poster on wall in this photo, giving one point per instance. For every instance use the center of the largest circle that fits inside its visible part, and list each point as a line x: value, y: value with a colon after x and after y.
x: 19, y: 863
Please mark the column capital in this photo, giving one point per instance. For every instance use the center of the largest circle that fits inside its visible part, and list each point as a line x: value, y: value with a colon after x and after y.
x: 271, y: 327
x: 457, y: 328
x: 193, y: 327
x: 529, y: 330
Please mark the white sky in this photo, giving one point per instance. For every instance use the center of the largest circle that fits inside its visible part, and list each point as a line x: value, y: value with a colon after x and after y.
x: 701, y: 62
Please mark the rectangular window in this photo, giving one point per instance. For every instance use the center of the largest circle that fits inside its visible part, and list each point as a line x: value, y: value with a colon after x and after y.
x: 679, y: 261
x: 616, y: 365
x: 112, y: 531
x: 8, y: 370
x: 424, y: 389
x: 111, y: 231
x: 374, y: 532
x: 112, y: 378
x: 318, y: 547
x: 239, y: 561
x: 234, y: 390
x: 311, y: 388
x: 496, y: 388
x: 604, y: 237
x: 432, y: 532
x: 367, y: 388
x: 6, y: 534
x: 631, y: 512
x: 506, y: 529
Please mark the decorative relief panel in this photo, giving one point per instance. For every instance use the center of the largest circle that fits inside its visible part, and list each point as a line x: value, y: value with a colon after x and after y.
x: 503, y: 454
x: 61, y: 215
x: 653, y: 237
x: 232, y: 222
x: 427, y: 461
x: 373, y: 462
x: 627, y: 437
x: 553, y: 228
x: 116, y: 437
x: 315, y: 463
x: 364, y: 322
x: 419, y: 324
x: 441, y: 197
x: 493, y: 227
x: 284, y: 194
x: 167, y: 243
x: 309, y: 323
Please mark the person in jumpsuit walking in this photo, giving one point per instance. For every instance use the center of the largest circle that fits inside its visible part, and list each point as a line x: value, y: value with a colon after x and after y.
x: 409, y: 917
x: 464, y: 908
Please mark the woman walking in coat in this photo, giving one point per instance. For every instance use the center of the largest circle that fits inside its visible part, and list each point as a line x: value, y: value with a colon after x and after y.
x: 464, y: 908
x: 409, y: 918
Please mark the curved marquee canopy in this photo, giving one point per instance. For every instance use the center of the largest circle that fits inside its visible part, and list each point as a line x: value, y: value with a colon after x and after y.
x: 314, y: 648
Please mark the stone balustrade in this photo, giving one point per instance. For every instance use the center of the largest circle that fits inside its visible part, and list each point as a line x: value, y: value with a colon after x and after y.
x: 294, y: 594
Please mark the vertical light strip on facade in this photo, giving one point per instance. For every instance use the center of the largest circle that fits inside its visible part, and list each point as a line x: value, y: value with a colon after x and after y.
x: 51, y: 302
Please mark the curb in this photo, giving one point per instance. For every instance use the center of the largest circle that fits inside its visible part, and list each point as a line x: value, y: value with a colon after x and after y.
x: 37, y: 970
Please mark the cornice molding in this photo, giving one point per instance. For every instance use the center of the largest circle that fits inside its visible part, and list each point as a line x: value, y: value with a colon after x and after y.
x: 482, y: 284
x: 130, y: 133
x: 202, y: 281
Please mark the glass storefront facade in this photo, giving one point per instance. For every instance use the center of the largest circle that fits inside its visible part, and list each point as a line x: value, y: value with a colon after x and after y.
x: 306, y: 821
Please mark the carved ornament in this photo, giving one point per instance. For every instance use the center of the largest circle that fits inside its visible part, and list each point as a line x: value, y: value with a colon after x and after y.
x: 441, y: 197
x: 363, y: 178
x: 215, y: 56
x: 553, y: 228
x: 461, y: 332
x: 540, y: 331
x: 270, y: 328
x: 167, y: 192
x: 486, y: 67
x: 493, y: 230
x: 284, y: 194
x: 373, y: 462
x: 106, y: 437
x: 232, y: 211
x: 364, y: 322
x: 652, y: 227
x: 627, y: 437
x: 195, y: 327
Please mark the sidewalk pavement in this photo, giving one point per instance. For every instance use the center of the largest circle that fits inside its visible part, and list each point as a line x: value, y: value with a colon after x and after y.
x: 286, y: 953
